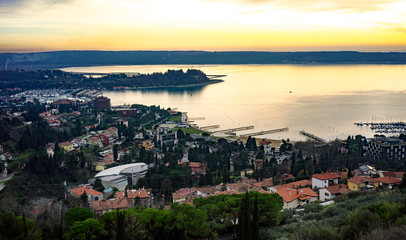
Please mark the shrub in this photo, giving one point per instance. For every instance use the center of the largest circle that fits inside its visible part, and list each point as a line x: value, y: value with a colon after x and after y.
x: 315, y: 232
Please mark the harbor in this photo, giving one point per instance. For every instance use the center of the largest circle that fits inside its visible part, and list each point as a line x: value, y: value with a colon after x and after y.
x: 388, y: 128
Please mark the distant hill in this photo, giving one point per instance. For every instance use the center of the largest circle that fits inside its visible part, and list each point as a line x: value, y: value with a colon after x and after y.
x: 58, y: 59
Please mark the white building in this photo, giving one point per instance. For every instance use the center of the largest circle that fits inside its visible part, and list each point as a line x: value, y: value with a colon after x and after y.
x: 325, y: 179
x: 133, y: 171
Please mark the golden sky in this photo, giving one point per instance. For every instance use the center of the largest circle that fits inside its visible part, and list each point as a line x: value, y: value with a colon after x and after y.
x: 265, y: 25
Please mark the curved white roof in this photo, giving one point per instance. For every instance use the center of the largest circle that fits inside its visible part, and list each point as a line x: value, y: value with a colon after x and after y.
x: 122, y: 169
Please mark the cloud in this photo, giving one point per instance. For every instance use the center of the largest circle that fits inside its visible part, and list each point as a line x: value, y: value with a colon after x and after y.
x: 322, y: 5
x: 11, y: 6
x: 395, y: 27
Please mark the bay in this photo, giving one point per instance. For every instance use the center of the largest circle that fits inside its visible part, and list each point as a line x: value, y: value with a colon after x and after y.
x: 324, y: 100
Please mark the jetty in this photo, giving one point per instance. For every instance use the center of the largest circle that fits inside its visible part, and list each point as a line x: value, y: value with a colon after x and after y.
x: 209, y: 127
x: 234, y: 129
x: 265, y: 132
x: 312, y: 136
x: 197, y: 118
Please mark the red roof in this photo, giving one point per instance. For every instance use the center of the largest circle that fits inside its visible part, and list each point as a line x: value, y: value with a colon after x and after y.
x: 141, y: 193
x: 359, y: 179
x: 386, y: 180
x: 326, y: 176
x: 298, y: 184
x: 176, y: 196
x: 393, y: 174
x: 228, y: 192
x: 110, y: 204
x: 80, y: 190
x: 338, y: 189
x: 289, y: 194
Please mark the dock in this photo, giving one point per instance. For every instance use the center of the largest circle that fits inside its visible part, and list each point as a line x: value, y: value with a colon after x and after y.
x: 209, y: 127
x: 312, y: 136
x: 234, y: 129
x: 197, y: 118
x: 265, y: 132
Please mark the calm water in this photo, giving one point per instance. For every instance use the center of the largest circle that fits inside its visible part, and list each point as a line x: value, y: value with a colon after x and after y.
x: 324, y: 100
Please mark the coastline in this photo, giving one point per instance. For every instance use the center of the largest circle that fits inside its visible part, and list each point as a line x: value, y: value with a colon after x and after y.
x: 214, y: 81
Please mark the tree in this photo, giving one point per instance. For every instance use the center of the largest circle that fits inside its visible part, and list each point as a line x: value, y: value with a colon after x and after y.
x: 244, y: 220
x: 77, y: 214
x: 17, y: 227
x: 87, y: 229
x: 84, y: 199
x: 115, y: 152
x: 98, y: 186
x: 255, y: 220
x: 120, y: 226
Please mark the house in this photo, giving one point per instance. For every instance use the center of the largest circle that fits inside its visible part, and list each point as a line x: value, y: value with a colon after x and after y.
x: 239, y: 187
x: 358, y: 183
x: 102, y: 206
x: 196, y: 167
x: 66, y: 146
x: 294, y: 198
x: 95, y: 141
x: 178, y: 197
x: 325, y: 179
x: 288, y: 177
x: 262, y: 185
x: 187, y: 192
x: 246, y: 172
x: 138, y: 197
x: 206, y: 191
x: 227, y: 192
x: 147, y: 145
x: 108, y: 159
x: 331, y: 192
x: 398, y: 175
x: 92, y: 195
x: 385, y: 182
x: 267, y: 147
x: 54, y: 123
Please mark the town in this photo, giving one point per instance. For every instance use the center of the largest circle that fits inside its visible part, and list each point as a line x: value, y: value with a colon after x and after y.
x: 61, y: 151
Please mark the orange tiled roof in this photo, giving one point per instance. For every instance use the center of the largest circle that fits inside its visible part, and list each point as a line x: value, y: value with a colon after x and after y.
x: 393, y: 174
x: 327, y: 176
x: 110, y: 204
x: 359, y: 179
x: 289, y: 194
x: 176, y: 196
x: 228, y: 192
x: 298, y: 184
x: 80, y: 190
x: 386, y: 180
x: 338, y: 189
x: 141, y: 193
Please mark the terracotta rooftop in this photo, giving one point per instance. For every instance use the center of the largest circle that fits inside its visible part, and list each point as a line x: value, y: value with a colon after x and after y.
x: 110, y: 204
x: 176, y: 195
x: 327, y: 176
x: 393, y: 174
x: 141, y: 193
x: 338, y: 189
x: 386, y: 180
x: 228, y: 192
x: 289, y: 194
x: 298, y: 184
x: 80, y: 190
x: 359, y: 179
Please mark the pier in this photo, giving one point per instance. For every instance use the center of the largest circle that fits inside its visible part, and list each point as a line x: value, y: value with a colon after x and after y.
x: 265, y: 132
x: 234, y: 129
x: 312, y: 136
x: 197, y: 118
x: 209, y: 127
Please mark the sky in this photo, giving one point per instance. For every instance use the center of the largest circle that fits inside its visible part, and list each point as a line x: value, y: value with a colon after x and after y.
x: 212, y: 25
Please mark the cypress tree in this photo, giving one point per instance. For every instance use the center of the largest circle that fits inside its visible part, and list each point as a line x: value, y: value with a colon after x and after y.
x: 255, y: 220
x: 120, y: 226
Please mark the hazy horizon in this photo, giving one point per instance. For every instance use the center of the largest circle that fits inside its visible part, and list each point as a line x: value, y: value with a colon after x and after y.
x: 208, y: 25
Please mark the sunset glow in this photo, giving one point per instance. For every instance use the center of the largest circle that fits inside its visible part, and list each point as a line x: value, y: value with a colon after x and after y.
x: 270, y: 25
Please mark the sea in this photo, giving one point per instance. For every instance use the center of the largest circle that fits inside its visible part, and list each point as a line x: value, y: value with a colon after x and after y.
x: 323, y: 100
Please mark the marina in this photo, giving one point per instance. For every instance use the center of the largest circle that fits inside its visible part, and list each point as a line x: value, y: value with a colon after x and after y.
x: 388, y: 128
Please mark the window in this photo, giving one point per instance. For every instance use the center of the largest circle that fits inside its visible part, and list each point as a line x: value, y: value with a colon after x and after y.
x: 327, y: 194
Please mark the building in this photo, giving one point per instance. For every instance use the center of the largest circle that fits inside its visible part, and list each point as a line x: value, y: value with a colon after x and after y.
x: 391, y: 148
x: 178, y: 197
x: 385, y: 182
x: 140, y: 197
x: 267, y: 147
x: 331, y: 192
x: 398, y: 175
x: 148, y: 145
x: 358, y: 183
x: 324, y: 179
x: 169, y: 138
x: 103, y: 206
x: 133, y: 172
x: 66, y: 146
x: 294, y: 198
x: 92, y: 195
x: 102, y: 103
x: 196, y: 167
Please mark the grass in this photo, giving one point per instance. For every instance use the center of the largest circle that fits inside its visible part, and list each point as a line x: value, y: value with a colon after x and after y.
x: 191, y: 130
x: 175, y: 118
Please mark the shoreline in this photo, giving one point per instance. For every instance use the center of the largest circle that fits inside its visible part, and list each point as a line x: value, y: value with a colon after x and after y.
x: 170, y: 86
